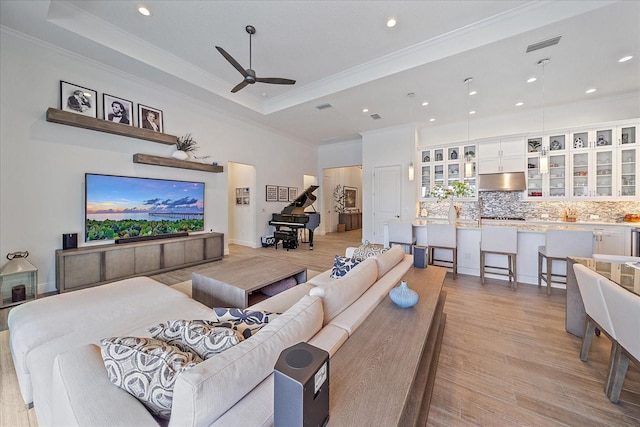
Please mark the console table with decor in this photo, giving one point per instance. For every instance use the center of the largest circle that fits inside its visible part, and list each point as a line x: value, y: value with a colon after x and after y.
x: 351, y: 220
x: 96, y: 265
x: 396, y: 369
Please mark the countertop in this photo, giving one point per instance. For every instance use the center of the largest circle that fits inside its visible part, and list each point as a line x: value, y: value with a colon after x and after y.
x: 525, y: 226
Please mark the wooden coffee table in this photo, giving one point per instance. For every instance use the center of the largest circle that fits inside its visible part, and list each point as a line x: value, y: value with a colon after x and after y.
x: 229, y: 285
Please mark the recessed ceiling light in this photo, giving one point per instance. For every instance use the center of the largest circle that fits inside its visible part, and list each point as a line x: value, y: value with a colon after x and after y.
x: 519, y: 104
x: 391, y: 22
x: 473, y: 92
x: 144, y: 11
x: 425, y: 103
x: 432, y: 119
x: 591, y: 90
x: 365, y: 110
x: 472, y: 112
x: 531, y: 79
x: 625, y: 58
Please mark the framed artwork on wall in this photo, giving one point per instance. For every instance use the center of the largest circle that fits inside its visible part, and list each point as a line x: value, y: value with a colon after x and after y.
x: 272, y: 193
x: 293, y: 193
x: 150, y: 118
x: 350, y: 194
x: 283, y: 194
x: 117, y: 110
x: 78, y: 99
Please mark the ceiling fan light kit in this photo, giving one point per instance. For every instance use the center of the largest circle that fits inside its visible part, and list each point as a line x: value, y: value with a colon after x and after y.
x: 249, y: 74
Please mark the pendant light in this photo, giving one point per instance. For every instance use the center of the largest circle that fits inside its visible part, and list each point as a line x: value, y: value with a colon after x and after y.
x: 544, y: 158
x: 468, y: 161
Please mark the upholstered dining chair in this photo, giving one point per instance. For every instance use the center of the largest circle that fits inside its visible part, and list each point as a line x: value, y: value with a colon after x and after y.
x: 443, y: 236
x: 401, y: 233
x: 624, y: 308
x: 597, y: 315
x: 560, y: 244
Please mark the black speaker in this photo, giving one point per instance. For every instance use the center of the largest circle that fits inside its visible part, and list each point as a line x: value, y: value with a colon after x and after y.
x: 301, y: 387
x: 70, y: 241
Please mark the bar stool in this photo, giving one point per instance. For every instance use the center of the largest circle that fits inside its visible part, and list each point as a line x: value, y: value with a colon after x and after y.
x: 443, y: 236
x: 401, y: 233
x: 500, y: 241
x: 560, y: 244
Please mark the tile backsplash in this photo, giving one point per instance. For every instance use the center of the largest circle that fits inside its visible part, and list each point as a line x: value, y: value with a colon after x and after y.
x: 512, y: 204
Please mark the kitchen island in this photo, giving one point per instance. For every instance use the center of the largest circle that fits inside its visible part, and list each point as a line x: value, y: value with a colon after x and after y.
x: 610, y: 238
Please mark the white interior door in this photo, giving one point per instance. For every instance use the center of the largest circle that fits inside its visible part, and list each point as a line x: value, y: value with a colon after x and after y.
x: 386, y: 198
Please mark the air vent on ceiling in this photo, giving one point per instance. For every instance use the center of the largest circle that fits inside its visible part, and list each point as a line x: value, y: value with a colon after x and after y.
x: 376, y: 116
x: 544, y: 43
x: 323, y: 106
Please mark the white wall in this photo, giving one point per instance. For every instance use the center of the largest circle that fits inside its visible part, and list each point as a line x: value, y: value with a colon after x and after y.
x: 42, y: 164
x: 388, y: 147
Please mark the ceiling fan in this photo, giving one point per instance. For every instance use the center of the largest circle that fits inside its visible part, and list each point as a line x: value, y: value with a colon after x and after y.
x: 249, y: 74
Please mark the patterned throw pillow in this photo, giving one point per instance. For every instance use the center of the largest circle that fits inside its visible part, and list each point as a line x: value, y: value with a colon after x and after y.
x: 197, y: 336
x: 342, y: 265
x: 247, y: 322
x: 147, y: 369
x: 367, y: 250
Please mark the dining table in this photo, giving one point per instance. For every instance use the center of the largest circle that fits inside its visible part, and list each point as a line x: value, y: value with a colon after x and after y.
x: 624, y: 274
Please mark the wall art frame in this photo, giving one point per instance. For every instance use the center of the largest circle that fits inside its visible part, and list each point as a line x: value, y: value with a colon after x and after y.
x: 117, y: 110
x: 78, y: 99
x: 283, y: 194
x: 271, y: 192
x: 350, y: 197
x: 293, y: 193
x: 152, y: 122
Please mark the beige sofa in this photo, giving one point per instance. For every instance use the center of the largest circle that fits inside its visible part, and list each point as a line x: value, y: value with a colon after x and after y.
x: 59, y: 366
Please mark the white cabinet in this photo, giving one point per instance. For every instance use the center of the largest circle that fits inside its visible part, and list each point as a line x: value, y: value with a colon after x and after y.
x: 628, y: 171
x: 610, y: 241
x: 593, y: 173
x: 501, y: 155
x: 442, y: 166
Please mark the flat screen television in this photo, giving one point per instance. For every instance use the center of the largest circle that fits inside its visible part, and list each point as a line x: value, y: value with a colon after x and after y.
x: 126, y: 207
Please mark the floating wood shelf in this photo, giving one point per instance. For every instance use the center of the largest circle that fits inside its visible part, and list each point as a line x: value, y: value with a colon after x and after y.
x: 148, y: 159
x: 78, y: 120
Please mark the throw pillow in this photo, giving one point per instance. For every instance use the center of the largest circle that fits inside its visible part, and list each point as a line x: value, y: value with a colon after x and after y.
x: 247, y: 322
x: 342, y: 265
x: 367, y: 250
x: 197, y: 336
x: 279, y: 286
x: 147, y: 369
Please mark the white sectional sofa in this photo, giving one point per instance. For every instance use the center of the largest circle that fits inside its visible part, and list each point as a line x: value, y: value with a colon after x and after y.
x: 54, y: 343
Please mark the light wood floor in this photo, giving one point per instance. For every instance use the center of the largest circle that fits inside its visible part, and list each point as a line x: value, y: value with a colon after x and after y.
x: 505, y: 360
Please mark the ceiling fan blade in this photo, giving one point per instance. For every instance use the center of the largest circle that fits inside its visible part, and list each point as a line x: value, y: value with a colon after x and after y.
x: 232, y: 61
x: 275, y: 80
x: 239, y: 86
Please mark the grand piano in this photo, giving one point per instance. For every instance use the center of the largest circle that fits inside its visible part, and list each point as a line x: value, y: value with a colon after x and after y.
x: 293, y: 217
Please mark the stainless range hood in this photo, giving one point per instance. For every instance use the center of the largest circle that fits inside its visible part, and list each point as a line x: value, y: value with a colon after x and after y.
x: 506, y: 181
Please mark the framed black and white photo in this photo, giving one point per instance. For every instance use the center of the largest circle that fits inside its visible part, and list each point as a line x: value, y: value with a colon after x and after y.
x: 150, y: 118
x: 283, y: 194
x: 350, y: 194
x: 272, y: 193
x: 293, y: 193
x: 117, y: 110
x: 78, y: 99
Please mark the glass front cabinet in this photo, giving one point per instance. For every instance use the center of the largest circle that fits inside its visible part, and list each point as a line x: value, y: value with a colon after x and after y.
x: 602, y: 163
x: 554, y: 183
x: 442, y: 166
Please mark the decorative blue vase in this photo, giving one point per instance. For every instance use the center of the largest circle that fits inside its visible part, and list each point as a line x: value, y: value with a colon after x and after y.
x: 403, y: 296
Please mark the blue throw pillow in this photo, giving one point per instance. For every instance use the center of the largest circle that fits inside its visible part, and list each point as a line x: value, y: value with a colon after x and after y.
x: 342, y: 265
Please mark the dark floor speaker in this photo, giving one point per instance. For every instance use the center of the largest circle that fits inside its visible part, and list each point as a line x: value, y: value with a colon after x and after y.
x: 301, y: 387
x: 70, y: 241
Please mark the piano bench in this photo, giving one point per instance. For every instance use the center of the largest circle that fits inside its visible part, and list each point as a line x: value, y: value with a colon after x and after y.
x: 289, y: 239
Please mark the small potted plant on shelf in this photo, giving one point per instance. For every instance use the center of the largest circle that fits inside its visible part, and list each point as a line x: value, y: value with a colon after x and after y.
x: 184, y: 145
x: 456, y: 189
